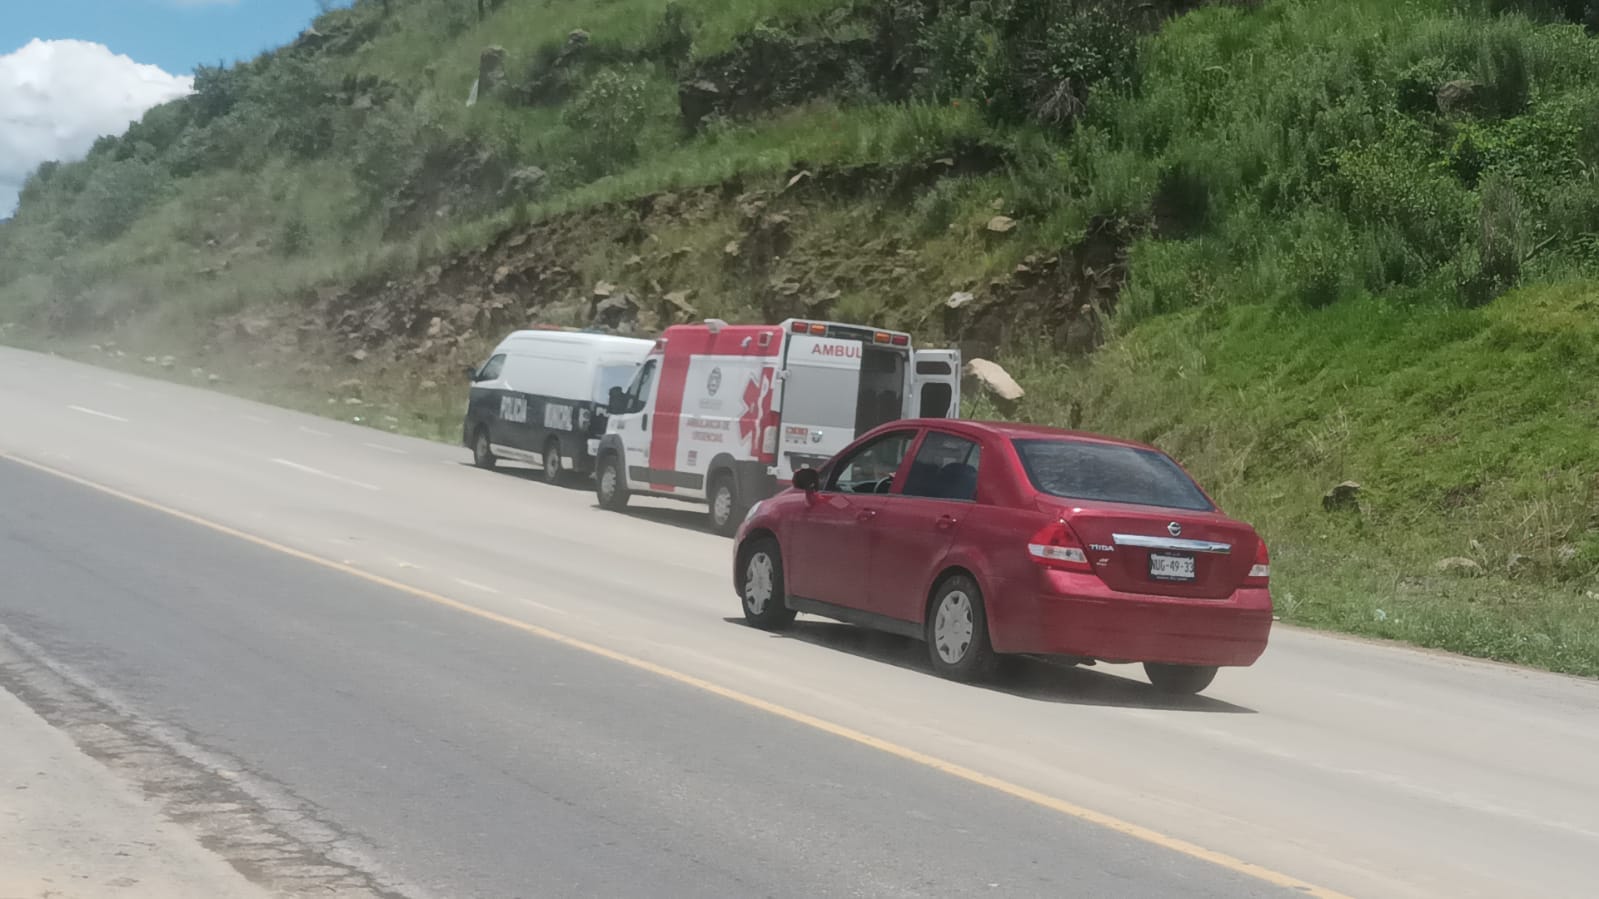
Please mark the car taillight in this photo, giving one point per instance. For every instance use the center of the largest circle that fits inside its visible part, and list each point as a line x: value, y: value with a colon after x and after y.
x: 1260, y: 573
x: 1057, y: 547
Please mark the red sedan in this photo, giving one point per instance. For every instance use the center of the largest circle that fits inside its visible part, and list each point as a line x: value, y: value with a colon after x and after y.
x: 986, y: 539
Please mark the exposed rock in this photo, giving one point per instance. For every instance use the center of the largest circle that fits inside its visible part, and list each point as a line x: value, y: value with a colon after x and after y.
x: 435, y: 326
x: 732, y: 248
x: 1518, y: 562
x: 633, y: 262
x: 524, y: 182
x: 169, y: 361
x: 678, y: 301
x: 428, y: 385
x: 350, y: 385
x: 798, y: 179
x: 213, y: 378
x: 253, y: 328
x: 150, y: 360
x: 1001, y: 224
x: 358, y: 356
x: 577, y: 37
x: 490, y: 70
x: 352, y: 401
x: 1459, y: 566
x: 197, y: 373
x: 613, y: 311
x: 1341, y: 497
x: 995, y: 380
x: 1461, y: 97
x: 603, y: 289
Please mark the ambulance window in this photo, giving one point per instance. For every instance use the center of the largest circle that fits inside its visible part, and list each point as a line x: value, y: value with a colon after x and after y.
x: 871, y: 468
x: 641, y: 386
x: 935, y: 400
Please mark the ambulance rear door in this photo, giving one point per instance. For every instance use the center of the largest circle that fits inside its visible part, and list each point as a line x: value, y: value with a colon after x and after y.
x: 821, y: 385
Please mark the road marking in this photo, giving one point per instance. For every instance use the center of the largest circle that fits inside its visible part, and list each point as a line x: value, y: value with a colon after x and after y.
x: 313, y: 432
x: 476, y: 586
x: 322, y: 474
x: 539, y: 605
x: 971, y: 775
x: 105, y: 415
x: 386, y: 449
x: 255, y: 418
x: 404, y: 564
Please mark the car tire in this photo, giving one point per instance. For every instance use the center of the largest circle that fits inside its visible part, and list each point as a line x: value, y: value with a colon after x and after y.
x: 725, y: 512
x: 552, y: 461
x: 610, y: 483
x: 957, y: 632
x: 482, y: 455
x: 761, y: 589
x: 1179, y: 680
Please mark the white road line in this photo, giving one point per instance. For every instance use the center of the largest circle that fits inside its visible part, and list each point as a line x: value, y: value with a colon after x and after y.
x: 404, y: 564
x: 476, y: 586
x: 255, y: 418
x: 386, y: 449
x: 105, y: 415
x: 314, y: 432
x: 322, y: 474
x: 539, y: 605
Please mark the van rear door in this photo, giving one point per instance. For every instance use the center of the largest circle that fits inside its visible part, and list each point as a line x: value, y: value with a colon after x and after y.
x: 935, y: 384
x: 821, y: 386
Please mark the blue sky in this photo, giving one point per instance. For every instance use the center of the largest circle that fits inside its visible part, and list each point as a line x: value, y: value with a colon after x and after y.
x: 173, y: 34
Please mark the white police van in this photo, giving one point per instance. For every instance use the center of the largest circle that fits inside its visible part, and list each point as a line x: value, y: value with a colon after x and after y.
x: 541, y: 397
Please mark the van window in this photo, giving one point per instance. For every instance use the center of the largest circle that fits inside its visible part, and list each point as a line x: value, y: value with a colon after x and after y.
x: 491, y: 369
x: 936, y: 398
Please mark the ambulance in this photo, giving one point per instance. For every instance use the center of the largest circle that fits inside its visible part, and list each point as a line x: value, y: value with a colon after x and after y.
x: 725, y: 414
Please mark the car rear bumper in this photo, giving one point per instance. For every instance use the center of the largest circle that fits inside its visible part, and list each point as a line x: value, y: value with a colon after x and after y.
x: 1137, y: 628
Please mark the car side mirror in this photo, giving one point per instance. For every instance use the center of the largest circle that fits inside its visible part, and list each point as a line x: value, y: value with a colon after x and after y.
x: 807, y: 479
x: 616, y: 404
x: 471, y: 373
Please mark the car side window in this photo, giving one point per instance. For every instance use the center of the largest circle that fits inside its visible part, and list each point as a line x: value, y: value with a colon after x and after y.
x: 945, y: 467
x: 640, y: 391
x: 871, y: 468
x: 492, y: 368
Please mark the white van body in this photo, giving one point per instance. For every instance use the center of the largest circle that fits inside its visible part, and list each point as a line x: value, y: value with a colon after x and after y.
x: 541, y: 396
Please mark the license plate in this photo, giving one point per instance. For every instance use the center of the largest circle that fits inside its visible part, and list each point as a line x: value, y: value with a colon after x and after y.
x: 1167, y: 567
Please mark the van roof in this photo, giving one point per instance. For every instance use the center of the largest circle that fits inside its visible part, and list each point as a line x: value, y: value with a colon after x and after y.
x: 563, y: 335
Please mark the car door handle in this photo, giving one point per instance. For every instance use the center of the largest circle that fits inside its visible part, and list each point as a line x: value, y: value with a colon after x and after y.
x: 945, y: 522
x: 644, y: 423
x: 866, y: 515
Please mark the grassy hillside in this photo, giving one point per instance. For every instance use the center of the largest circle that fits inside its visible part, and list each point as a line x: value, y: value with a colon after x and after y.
x: 1295, y: 243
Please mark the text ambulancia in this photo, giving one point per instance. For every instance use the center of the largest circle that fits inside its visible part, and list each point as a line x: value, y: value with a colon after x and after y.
x: 725, y: 414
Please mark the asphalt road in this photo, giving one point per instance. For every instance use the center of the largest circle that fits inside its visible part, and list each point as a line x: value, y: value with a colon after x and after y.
x: 540, y: 698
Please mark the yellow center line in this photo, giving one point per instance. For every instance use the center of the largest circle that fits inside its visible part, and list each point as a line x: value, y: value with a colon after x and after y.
x: 1017, y: 791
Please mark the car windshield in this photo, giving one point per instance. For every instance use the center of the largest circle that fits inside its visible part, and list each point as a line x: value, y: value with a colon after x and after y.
x: 1074, y: 469
x: 612, y: 376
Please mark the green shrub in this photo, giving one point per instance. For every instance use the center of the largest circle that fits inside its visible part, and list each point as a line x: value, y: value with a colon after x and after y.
x: 609, y: 116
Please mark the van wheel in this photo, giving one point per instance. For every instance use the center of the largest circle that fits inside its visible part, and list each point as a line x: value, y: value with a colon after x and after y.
x: 610, y: 483
x: 482, y: 456
x: 725, y: 513
x: 552, y: 461
x: 1179, y: 680
x: 957, y: 631
x: 761, y: 589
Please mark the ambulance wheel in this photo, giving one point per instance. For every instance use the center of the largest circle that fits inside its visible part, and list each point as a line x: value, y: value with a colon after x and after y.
x: 610, y: 483
x: 726, y: 513
x: 552, y: 461
x: 482, y: 455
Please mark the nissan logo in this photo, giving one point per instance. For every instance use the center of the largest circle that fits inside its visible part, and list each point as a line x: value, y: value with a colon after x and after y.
x: 1174, y: 529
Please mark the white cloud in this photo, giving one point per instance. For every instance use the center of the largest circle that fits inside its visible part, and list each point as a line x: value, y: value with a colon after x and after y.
x: 57, y: 97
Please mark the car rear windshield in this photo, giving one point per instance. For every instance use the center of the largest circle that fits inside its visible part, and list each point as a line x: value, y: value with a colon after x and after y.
x: 1104, y: 472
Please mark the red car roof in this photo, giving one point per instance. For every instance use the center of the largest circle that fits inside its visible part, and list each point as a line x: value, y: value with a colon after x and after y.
x: 1015, y: 430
